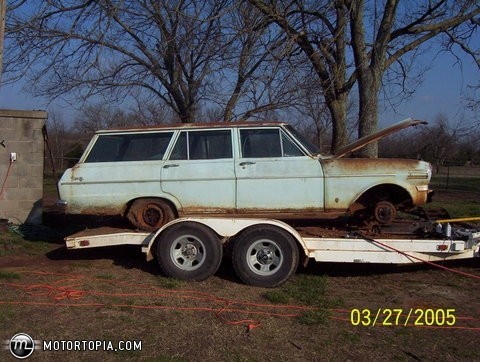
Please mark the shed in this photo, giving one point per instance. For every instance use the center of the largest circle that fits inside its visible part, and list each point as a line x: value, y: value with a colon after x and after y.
x: 21, y: 165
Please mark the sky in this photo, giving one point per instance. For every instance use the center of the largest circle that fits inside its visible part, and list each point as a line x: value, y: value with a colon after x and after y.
x: 440, y: 93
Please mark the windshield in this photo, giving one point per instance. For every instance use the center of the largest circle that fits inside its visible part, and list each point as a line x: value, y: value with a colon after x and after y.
x: 309, y: 146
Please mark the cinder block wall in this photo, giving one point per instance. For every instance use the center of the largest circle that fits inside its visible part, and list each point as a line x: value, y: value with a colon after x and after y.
x: 22, y: 180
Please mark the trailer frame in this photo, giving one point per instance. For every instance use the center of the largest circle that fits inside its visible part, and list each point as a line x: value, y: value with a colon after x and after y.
x: 269, y: 259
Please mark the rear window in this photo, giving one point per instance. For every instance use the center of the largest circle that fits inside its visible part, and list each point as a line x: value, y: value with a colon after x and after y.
x: 129, y: 147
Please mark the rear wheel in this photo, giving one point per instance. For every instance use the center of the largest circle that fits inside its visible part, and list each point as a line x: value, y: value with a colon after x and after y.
x: 265, y: 256
x: 150, y: 214
x: 189, y: 251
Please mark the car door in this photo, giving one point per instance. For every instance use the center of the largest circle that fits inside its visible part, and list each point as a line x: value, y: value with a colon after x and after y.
x: 200, y: 172
x: 275, y: 175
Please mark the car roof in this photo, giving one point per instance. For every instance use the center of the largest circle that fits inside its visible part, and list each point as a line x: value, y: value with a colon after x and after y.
x: 175, y: 126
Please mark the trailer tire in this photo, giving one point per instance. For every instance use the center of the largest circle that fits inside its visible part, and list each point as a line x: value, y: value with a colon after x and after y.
x: 189, y: 251
x: 265, y: 256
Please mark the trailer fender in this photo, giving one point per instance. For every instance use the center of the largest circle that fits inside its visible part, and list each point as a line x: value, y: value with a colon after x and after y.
x: 225, y: 228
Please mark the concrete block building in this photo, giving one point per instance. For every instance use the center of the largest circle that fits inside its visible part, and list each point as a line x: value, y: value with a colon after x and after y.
x: 21, y: 165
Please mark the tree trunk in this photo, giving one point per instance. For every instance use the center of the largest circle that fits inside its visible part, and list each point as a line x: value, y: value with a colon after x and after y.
x: 338, y: 111
x: 368, y: 87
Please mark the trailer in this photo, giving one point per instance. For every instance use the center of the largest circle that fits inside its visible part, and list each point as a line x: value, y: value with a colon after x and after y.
x: 266, y: 252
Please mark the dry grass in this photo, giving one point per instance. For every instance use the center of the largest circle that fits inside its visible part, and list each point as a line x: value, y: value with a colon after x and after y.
x: 113, y: 294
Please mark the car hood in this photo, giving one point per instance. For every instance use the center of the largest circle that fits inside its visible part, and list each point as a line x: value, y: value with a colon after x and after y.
x: 362, y: 142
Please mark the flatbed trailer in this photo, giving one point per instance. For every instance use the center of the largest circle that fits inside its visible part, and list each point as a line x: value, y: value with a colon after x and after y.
x: 266, y: 252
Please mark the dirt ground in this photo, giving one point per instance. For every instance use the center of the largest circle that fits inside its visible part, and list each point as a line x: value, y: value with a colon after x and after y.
x: 113, y: 294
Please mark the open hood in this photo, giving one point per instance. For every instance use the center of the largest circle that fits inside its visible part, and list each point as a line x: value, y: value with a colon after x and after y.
x: 362, y: 142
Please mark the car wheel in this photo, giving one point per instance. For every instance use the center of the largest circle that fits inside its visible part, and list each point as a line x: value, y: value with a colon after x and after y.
x: 150, y: 214
x: 265, y: 256
x: 189, y: 251
x: 384, y: 212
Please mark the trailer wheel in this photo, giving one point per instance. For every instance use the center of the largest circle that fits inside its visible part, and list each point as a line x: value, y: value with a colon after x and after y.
x: 150, y: 214
x: 265, y: 256
x: 189, y: 251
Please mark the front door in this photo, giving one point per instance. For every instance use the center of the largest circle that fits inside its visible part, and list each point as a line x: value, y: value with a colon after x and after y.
x: 275, y: 176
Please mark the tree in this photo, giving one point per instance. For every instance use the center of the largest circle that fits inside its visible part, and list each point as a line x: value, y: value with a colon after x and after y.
x: 254, y: 75
x: 397, y: 29
x: 94, y: 47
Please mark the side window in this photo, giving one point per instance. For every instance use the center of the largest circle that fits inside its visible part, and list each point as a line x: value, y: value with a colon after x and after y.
x: 179, y: 151
x: 129, y: 147
x: 203, y: 145
x: 289, y: 148
x: 145, y: 147
x: 258, y: 143
x: 105, y: 149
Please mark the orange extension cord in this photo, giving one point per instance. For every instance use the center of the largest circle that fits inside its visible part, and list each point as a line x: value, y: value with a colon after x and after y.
x: 69, y: 288
x: 59, y: 291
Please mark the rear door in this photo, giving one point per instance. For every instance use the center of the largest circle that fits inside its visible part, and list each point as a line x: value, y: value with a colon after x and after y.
x: 200, y: 172
x: 275, y: 175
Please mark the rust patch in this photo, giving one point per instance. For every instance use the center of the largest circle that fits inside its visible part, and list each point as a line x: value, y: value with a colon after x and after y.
x: 96, y: 211
x: 365, y: 165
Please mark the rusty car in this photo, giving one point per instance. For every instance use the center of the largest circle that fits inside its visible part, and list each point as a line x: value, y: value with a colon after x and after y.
x: 249, y: 169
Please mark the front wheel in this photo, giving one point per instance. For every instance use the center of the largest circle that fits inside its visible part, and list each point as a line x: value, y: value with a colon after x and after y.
x: 189, y: 251
x: 265, y: 256
x: 384, y: 212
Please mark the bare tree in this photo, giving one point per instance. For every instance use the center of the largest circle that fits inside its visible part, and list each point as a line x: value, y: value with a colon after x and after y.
x: 253, y: 75
x: 381, y: 35
x: 102, y: 116
x: 57, y: 138
x: 164, y: 47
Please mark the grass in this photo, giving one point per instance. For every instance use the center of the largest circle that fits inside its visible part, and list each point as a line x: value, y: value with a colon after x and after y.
x: 9, y: 275
x: 456, y: 209
x: 467, y: 183
x: 13, y: 243
x: 307, y: 290
x: 464, y: 201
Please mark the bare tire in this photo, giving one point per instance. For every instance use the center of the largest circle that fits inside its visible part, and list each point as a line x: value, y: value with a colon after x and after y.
x: 189, y: 251
x: 265, y: 256
x: 384, y: 212
x: 150, y: 214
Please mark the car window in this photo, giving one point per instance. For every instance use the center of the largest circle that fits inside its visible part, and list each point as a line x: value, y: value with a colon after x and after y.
x: 289, y: 148
x: 313, y: 149
x: 260, y: 143
x: 129, y: 147
x: 203, y: 145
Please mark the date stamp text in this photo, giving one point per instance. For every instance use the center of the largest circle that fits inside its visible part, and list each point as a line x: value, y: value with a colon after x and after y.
x: 403, y: 317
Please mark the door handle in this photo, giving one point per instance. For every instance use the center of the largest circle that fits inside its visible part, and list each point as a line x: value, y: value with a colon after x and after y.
x: 171, y: 165
x: 247, y: 163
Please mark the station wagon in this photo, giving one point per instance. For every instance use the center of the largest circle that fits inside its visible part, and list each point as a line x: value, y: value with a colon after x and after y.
x: 250, y: 169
